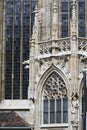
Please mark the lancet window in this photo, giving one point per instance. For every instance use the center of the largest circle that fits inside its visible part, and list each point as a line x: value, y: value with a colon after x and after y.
x: 55, y: 101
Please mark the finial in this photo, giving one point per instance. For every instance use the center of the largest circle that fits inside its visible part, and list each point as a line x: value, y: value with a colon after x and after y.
x: 74, y: 24
x: 36, y: 9
x: 37, y: 15
x: 74, y: 9
x: 55, y: 21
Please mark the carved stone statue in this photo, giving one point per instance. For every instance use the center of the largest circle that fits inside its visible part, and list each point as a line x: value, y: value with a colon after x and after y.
x: 74, y: 108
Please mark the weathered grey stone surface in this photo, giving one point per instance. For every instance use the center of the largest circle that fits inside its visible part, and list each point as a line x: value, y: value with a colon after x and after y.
x: 48, y: 53
x: 65, y: 57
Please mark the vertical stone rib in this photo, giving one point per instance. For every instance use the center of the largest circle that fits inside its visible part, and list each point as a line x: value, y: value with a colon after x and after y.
x: 12, y: 54
x: 32, y: 68
x: 3, y: 49
x: 21, y: 50
x: 74, y: 20
x: 1, y: 11
x: 59, y: 16
x: 69, y: 18
x: 30, y: 15
x: 86, y: 17
x: 54, y: 21
x: 74, y: 43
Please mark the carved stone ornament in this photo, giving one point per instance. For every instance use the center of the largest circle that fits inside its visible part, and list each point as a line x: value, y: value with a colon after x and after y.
x: 74, y: 108
x: 55, y: 87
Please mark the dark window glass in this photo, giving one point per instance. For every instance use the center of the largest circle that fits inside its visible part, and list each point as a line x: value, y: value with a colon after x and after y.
x: 64, y: 18
x: 65, y: 110
x: 17, y: 39
x: 52, y: 111
x: 9, y: 30
x: 17, y: 6
x: 13, y: 46
x: 58, y: 110
x: 82, y: 18
x: 9, y: 8
x: 26, y: 29
x: 45, y: 111
x: 9, y: 20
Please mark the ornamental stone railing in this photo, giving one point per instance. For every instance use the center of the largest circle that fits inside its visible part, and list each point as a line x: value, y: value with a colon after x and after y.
x: 55, y: 47
x: 82, y: 46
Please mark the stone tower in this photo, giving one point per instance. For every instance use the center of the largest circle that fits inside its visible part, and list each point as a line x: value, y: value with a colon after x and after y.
x: 56, y: 70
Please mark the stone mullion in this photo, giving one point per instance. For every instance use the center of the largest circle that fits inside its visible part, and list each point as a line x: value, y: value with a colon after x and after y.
x: 74, y: 72
x: 68, y: 18
x: 3, y: 49
x: 74, y: 49
x: 30, y: 30
x: 42, y: 110
x: 21, y: 51
x: 48, y: 111
x: 30, y: 23
x: 86, y: 18
x: 77, y: 17
x: 62, y: 110
x: 13, y: 54
x: 55, y: 111
x: 1, y: 11
x: 32, y: 69
x: 59, y: 18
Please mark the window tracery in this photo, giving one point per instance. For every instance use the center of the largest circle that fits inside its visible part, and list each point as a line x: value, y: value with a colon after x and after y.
x: 55, y: 101
x: 55, y: 87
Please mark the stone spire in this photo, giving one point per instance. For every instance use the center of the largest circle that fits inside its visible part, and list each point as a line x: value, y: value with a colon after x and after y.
x: 74, y: 19
x: 35, y: 27
x: 37, y: 24
x: 74, y: 47
x: 74, y: 10
x: 55, y: 21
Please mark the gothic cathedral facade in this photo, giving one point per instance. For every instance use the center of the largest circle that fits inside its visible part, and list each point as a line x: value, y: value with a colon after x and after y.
x: 56, y: 69
x: 56, y: 65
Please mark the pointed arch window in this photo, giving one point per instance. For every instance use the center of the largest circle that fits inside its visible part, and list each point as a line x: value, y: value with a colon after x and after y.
x: 55, y: 101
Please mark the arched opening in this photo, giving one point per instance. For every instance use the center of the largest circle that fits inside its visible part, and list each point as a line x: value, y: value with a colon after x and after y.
x: 55, y: 100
